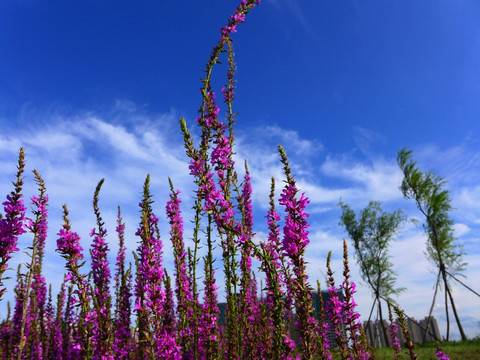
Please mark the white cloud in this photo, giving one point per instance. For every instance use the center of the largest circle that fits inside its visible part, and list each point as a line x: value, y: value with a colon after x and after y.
x: 259, y: 146
x: 467, y: 199
x: 120, y: 139
x: 376, y: 181
x: 460, y: 229
x: 457, y: 164
x: 8, y: 144
x: 263, y: 141
x: 321, y: 194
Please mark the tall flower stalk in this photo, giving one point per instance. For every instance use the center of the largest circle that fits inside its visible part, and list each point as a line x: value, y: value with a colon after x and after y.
x: 209, y: 334
x: 154, y: 341
x: 213, y: 199
x: 334, y: 310
x: 295, y: 240
x: 393, y: 328
x: 6, y: 333
x: 406, y: 334
x: 323, y: 344
x: 350, y: 317
x: 68, y: 245
x: 183, y: 289
x: 58, y: 335
x: 121, y: 345
x: 249, y: 306
x: 102, y: 329
x: 35, y: 287
x: 277, y: 306
x: 12, y: 225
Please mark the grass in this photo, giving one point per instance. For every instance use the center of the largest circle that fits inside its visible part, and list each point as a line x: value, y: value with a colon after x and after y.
x: 456, y: 350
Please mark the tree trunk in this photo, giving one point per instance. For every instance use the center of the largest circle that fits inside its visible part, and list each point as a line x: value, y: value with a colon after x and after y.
x: 448, y: 317
x: 447, y: 291
x: 384, y: 329
x: 431, y: 308
x: 371, y: 310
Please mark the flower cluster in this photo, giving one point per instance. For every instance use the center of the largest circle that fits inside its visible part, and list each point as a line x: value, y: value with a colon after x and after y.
x: 441, y: 355
x: 393, y: 328
x: 209, y: 338
x: 12, y: 225
x: 40, y: 227
x: 151, y: 298
x: 101, y: 294
x: 295, y: 240
x: 238, y: 17
x: 350, y: 317
x: 68, y: 245
x: 31, y: 297
x: 295, y: 230
x: 183, y: 281
x: 123, y: 283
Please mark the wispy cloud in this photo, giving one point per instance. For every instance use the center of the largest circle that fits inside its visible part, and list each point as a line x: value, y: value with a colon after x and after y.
x: 296, y: 10
x: 365, y: 139
x: 378, y: 179
x: 259, y: 146
x: 299, y: 14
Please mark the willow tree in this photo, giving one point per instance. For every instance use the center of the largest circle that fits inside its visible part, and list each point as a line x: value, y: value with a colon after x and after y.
x: 428, y: 191
x: 371, y: 232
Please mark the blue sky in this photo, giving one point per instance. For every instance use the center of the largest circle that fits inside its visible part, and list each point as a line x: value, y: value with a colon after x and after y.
x: 95, y: 89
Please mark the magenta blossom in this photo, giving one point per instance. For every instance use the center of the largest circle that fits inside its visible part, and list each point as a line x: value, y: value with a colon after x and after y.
x: 295, y: 230
x: 441, y: 355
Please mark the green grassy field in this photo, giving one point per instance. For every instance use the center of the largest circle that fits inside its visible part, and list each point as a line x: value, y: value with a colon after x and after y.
x: 461, y: 350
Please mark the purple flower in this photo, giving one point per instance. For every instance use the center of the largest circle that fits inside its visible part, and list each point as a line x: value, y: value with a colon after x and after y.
x: 295, y: 240
x: 101, y: 315
x: 167, y: 348
x: 33, y: 288
x: 102, y: 300
x: 278, y: 303
x: 55, y: 351
x: 197, y: 166
x: 12, y: 225
x: 40, y: 227
x: 395, y: 343
x: 350, y: 317
x: 441, y: 355
x: 210, y: 111
x: 208, y: 330
x: 183, y: 280
x: 68, y: 245
x: 20, y: 300
x: 150, y: 303
x: 122, y: 340
x: 295, y: 230
x: 237, y: 18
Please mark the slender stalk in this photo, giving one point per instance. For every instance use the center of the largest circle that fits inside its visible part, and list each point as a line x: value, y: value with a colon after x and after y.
x: 13, y: 224
x: 408, y: 341
x: 38, y: 229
